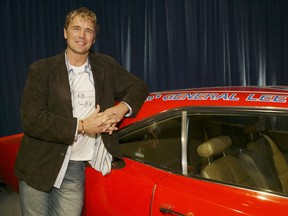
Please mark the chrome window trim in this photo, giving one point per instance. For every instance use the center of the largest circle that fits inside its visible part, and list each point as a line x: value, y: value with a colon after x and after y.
x: 184, y: 138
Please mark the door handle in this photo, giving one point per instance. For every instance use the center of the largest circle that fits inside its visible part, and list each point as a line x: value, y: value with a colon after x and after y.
x: 170, y: 211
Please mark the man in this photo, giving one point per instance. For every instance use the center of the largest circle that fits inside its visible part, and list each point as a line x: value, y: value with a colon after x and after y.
x: 68, y: 113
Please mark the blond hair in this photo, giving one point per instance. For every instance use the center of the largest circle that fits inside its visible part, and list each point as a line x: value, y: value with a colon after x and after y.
x: 83, y: 13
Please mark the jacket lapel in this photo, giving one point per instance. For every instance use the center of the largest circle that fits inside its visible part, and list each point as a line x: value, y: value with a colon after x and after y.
x: 98, y: 77
x: 61, y: 80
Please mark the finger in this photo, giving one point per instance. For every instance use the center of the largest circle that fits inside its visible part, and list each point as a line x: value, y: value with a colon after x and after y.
x: 112, y: 129
x: 112, y: 121
x: 109, y: 128
x: 111, y: 113
x: 96, y: 111
x: 97, y: 108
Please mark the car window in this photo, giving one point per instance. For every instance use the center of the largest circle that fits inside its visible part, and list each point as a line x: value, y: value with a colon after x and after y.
x: 246, y: 149
x: 157, y: 143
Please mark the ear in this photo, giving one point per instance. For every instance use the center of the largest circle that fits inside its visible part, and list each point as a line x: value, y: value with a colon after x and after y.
x: 65, y: 33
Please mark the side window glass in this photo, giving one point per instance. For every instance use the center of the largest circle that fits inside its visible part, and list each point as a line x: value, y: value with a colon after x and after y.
x: 158, y: 143
x: 245, y: 150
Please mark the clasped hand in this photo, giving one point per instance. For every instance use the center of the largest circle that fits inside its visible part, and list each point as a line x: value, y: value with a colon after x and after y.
x: 104, y: 122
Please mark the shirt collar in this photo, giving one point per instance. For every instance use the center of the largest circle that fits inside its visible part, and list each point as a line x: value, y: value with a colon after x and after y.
x: 70, y: 69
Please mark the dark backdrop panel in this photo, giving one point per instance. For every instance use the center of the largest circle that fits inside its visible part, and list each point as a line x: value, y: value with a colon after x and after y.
x: 169, y: 43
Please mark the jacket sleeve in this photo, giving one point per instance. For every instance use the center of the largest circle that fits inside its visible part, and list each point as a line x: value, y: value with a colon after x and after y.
x: 130, y: 89
x: 115, y: 84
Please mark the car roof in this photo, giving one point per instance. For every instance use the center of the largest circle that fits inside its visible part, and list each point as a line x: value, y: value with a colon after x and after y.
x: 272, y: 97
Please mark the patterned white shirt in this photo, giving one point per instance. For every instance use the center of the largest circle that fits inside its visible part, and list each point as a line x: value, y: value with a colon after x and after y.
x: 88, y: 147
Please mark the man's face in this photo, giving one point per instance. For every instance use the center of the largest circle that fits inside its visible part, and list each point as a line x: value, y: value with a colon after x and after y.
x: 80, y: 35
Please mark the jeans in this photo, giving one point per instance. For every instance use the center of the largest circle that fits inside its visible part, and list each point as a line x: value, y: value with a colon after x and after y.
x: 68, y: 200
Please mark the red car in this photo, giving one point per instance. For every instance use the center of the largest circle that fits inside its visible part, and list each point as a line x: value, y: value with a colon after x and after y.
x: 206, y: 151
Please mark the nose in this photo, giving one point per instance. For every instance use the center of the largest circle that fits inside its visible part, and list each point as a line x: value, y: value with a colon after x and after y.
x: 81, y: 33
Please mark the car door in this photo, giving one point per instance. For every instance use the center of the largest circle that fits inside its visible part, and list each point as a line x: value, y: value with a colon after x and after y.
x: 129, y: 190
x: 123, y: 192
x: 181, y: 195
x: 191, y: 191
